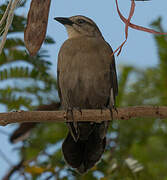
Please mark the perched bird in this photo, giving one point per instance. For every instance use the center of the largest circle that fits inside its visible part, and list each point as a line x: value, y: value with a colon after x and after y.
x: 87, y: 79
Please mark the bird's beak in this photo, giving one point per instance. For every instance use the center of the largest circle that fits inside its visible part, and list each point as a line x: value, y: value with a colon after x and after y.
x: 64, y: 21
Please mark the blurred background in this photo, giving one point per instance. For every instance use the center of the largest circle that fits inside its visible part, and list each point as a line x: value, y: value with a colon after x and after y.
x: 136, y: 148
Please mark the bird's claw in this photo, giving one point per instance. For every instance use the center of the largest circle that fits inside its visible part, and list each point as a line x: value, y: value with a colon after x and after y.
x: 116, y: 110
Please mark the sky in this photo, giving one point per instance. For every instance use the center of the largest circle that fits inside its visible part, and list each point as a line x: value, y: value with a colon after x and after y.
x: 140, y: 49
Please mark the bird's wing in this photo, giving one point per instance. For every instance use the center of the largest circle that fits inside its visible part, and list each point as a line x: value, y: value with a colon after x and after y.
x: 114, y: 81
x: 58, y: 87
x: 114, y: 77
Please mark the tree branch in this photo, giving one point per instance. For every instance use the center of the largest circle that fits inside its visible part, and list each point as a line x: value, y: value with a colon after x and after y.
x: 87, y: 115
x: 13, y: 169
x: 10, y: 9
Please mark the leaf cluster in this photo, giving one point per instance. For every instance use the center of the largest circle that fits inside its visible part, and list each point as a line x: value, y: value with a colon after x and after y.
x: 25, y: 81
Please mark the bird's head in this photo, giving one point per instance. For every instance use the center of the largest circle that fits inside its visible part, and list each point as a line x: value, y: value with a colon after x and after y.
x: 79, y: 26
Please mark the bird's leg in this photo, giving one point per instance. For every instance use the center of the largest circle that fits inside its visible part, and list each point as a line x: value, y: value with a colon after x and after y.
x: 101, y: 111
x: 111, y: 113
x: 73, y: 128
x: 79, y: 109
x: 116, y: 110
x: 110, y: 109
x: 70, y: 111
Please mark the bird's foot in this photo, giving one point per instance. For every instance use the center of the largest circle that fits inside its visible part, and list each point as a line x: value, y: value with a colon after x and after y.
x: 111, y: 113
x: 116, y: 110
x: 103, y: 108
x: 101, y: 111
x: 79, y: 109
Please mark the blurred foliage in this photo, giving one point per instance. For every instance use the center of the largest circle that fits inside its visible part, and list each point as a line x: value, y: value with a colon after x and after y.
x: 136, y: 148
x: 25, y: 81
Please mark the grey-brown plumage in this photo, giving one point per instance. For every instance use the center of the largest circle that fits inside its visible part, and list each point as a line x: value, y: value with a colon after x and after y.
x: 86, y: 80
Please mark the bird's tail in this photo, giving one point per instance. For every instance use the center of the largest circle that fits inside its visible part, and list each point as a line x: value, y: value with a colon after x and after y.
x: 83, y: 154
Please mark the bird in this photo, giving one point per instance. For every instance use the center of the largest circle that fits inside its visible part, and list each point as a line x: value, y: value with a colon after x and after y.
x: 87, y: 79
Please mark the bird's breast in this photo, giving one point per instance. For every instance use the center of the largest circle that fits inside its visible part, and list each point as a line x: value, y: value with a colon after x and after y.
x: 84, y: 75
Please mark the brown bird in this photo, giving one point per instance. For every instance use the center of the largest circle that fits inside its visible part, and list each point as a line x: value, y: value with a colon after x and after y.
x: 87, y: 79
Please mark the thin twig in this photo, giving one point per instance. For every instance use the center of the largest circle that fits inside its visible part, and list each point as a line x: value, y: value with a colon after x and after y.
x: 6, y: 13
x: 87, y: 115
x: 134, y: 26
x: 8, y: 23
x: 13, y: 170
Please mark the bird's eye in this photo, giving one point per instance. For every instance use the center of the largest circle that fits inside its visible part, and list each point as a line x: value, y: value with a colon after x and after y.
x: 80, y: 21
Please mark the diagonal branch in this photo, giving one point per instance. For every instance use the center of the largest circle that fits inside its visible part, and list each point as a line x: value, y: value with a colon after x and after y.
x: 13, y: 169
x: 87, y: 115
x: 9, y: 21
